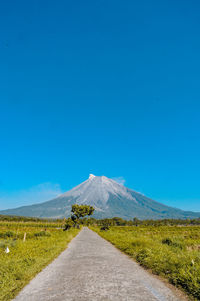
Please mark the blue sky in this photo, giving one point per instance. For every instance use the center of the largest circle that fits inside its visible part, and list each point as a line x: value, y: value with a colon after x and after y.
x: 104, y: 87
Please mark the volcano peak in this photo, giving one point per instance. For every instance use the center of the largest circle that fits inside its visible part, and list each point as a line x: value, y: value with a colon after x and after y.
x: 91, y: 176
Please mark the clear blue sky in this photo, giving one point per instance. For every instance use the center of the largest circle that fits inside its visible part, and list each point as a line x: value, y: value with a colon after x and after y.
x: 104, y: 87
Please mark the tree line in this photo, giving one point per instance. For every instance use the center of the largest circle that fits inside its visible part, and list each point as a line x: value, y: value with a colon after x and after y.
x: 115, y: 221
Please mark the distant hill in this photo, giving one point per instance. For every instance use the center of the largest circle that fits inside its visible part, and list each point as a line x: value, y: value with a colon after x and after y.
x: 109, y: 198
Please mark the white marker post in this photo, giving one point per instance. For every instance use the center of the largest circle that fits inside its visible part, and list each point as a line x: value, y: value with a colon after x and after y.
x: 7, y: 250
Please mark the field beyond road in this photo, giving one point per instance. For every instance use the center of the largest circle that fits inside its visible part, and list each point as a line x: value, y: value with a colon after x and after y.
x: 169, y: 251
x: 43, y: 242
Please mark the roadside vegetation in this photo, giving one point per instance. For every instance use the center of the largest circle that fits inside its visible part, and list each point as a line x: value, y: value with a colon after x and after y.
x: 169, y: 248
x: 30, y: 245
x: 172, y: 252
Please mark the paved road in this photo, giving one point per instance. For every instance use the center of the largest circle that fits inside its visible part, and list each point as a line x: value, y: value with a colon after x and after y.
x: 91, y: 269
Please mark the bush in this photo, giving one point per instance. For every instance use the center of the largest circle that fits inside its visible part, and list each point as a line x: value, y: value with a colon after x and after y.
x: 104, y: 228
x: 170, y: 242
x: 68, y: 224
x: 42, y: 233
x: 7, y: 234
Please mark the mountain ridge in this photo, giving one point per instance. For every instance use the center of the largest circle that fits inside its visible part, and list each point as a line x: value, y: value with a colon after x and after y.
x: 109, y: 198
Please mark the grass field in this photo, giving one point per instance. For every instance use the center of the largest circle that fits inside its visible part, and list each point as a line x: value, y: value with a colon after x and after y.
x: 44, y: 242
x: 171, y: 252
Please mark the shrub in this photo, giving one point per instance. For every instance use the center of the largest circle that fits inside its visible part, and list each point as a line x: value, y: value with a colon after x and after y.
x: 104, y: 228
x: 6, y: 234
x: 170, y: 242
x: 42, y: 233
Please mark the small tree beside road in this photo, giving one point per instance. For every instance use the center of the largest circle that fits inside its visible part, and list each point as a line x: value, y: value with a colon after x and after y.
x: 78, y: 212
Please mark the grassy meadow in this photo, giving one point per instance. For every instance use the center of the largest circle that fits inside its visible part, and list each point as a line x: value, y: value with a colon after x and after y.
x: 172, y: 252
x: 43, y: 242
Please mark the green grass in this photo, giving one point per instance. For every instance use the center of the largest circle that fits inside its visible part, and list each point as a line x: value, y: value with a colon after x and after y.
x: 171, y: 252
x: 43, y: 243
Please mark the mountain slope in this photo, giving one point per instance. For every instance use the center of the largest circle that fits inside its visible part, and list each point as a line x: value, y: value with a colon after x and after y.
x: 109, y: 199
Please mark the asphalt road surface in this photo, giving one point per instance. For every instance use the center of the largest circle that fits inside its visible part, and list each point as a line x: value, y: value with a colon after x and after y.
x: 91, y: 269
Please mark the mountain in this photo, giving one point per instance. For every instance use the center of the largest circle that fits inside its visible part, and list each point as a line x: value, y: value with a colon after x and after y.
x: 109, y: 198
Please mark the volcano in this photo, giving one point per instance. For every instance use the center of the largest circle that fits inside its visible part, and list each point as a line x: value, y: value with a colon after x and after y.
x: 109, y: 198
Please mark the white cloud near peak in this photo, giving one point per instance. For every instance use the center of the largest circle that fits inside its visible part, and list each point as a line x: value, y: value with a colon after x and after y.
x: 119, y: 180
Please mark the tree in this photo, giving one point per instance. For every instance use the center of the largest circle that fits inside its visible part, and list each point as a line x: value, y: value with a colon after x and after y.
x: 106, y: 223
x: 136, y: 221
x: 78, y: 212
x: 119, y: 221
